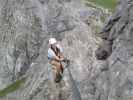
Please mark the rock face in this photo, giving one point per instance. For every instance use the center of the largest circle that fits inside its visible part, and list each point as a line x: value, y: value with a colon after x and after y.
x: 116, y: 82
x: 21, y: 38
x: 26, y: 25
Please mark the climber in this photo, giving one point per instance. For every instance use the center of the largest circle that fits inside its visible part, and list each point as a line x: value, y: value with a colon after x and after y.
x: 55, y: 56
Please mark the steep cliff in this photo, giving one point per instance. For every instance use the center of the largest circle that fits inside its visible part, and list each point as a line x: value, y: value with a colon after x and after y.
x: 25, y: 27
x: 115, y: 81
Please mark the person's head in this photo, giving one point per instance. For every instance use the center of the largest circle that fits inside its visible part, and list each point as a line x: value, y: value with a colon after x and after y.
x: 52, y: 42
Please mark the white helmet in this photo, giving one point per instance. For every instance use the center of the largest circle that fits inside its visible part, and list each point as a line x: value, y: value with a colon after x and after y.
x: 52, y: 41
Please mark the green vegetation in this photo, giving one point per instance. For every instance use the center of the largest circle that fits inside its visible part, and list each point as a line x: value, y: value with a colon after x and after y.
x: 110, y: 4
x: 103, y: 18
x: 97, y: 28
x: 11, y: 88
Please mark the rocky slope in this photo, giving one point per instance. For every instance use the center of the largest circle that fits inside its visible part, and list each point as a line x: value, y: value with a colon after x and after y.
x: 115, y: 81
x: 26, y: 25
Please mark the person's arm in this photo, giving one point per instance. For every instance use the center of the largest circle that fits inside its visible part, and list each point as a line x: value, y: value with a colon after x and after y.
x: 60, y: 52
x: 58, y: 59
x: 61, y: 55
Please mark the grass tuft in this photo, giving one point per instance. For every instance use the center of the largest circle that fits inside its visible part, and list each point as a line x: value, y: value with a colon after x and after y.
x: 109, y: 4
x: 11, y: 88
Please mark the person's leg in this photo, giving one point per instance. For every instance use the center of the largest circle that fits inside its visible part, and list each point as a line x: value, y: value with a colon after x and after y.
x: 57, y: 69
x: 61, y: 68
x: 61, y: 65
x: 56, y: 64
x: 54, y: 73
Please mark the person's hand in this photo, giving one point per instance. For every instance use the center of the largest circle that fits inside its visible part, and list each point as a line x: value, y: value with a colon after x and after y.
x: 61, y: 59
x: 66, y: 60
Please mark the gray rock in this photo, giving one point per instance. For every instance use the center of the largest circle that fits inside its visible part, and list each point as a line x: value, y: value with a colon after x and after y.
x: 119, y: 75
x: 26, y: 25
